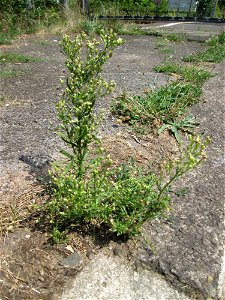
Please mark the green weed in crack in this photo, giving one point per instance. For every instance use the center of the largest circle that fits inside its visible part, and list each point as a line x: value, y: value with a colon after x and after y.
x: 185, y: 125
x: 87, y: 187
x: 217, y: 40
x: 11, y: 57
x: 11, y: 73
x: 188, y: 73
x: 166, y: 103
x: 214, y: 54
x: 192, y: 75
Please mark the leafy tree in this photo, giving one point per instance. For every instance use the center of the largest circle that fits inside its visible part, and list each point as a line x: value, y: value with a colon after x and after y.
x: 204, y: 8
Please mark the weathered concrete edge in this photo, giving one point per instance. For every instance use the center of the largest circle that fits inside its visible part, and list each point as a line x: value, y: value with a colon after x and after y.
x: 221, y: 281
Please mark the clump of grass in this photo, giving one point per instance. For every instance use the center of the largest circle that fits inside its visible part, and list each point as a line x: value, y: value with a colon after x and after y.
x: 2, y: 99
x: 163, y: 45
x: 214, y: 54
x: 10, y: 73
x: 5, y: 40
x: 164, y: 104
x: 91, y: 26
x: 217, y: 40
x: 175, y: 37
x: 11, y: 57
x: 189, y: 73
x: 42, y: 42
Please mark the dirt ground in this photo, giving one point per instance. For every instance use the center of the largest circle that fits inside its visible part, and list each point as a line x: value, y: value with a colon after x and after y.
x: 30, y: 266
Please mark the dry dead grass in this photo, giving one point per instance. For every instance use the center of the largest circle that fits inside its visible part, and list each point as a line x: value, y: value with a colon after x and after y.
x: 19, y: 194
x: 71, y: 23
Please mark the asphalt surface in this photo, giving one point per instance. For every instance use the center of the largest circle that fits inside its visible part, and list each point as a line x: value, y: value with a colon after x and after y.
x: 193, y: 30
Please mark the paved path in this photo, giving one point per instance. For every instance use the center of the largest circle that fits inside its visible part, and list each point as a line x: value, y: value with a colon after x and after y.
x: 110, y: 277
x: 193, y: 30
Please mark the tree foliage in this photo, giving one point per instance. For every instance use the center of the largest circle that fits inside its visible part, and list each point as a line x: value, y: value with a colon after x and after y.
x: 204, y: 8
x: 123, y: 4
x: 20, y: 6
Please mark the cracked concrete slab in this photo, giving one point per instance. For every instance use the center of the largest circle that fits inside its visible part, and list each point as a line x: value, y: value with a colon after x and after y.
x: 110, y: 277
x: 189, y: 245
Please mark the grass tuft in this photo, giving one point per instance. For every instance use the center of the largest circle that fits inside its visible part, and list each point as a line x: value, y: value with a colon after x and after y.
x: 165, y: 104
x: 217, y: 40
x: 213, y: 54
x: 189, y: 73
x: 12, y: 57
x: 10, y: 73
x: 164, y: 107
x: 122, y: 28
x: 5, y: 40
x: 175, y: 37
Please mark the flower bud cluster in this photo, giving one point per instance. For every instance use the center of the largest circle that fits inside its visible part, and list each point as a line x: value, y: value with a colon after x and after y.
x: 85, y: 59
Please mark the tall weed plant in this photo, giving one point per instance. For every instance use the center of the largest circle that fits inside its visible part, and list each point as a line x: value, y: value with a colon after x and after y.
x: 87, y: 186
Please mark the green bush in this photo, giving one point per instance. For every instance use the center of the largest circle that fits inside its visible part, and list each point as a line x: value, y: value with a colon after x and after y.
x: 18, y: 16
x: 87, y: 187
x: 122, y: 7
x: 204, y: 8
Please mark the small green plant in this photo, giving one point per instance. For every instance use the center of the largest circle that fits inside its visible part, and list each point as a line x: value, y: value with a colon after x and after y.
x: 91, y: 27
x: 11, y: 57
x: 10, y: 73
x: 175, y: 37
x: 186, y: 124
x: 4, y: 39
x: 214, y: 54
x: 190, y: 157
x: 217, y: 40
x: 163, y: 45
x: 2, y: 100
x: 42, y: 42
x: 189, y: 73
